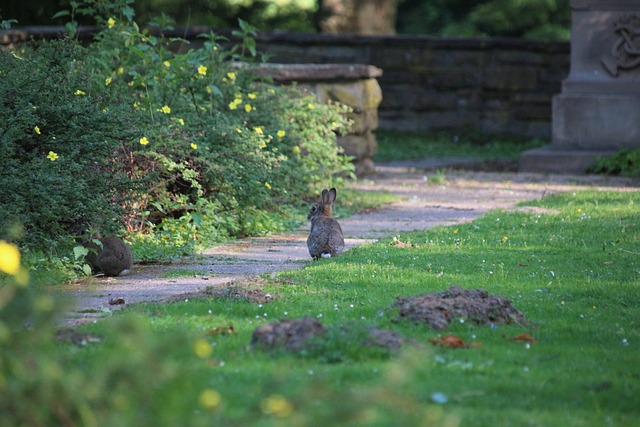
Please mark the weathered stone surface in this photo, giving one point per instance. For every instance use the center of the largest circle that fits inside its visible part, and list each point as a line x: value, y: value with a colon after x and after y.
x: 359, y: 146
x: 598, y: 111
x: 361, y: 95
x: 364, y: 121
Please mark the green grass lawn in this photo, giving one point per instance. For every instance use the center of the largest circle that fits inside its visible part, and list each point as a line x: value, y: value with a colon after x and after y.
x: 574, y: 272
x: 395, y: 145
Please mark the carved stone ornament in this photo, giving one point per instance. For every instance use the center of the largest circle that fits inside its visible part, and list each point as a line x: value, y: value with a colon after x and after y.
x: 625, y: 53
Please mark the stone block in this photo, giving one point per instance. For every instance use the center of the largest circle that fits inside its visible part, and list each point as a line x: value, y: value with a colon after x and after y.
x: 361, y: 95
x: 359, y: 146
x: 510, y: 78
x: 596, y: 121
x: 364, y: 121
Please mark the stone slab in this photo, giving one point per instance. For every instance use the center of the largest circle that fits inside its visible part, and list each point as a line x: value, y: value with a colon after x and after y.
x: 597, y: 121
x: 550, y: 159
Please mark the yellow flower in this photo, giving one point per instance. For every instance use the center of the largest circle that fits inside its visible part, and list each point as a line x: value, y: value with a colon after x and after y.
x: 248, y: 108
x: 120, y: 70
x: 296, y: 149
x: 79, y: 92
x: 234, y: 104
x: 202, y: 349
x: 107, y: 81
x: 144, y: 140
x: 167, y: 64
x: 266, y: 184
x: 281, y: 134
x: 210, y: 399
x: 504, y: 239
x: 310, y: 105
x: 277, y: 405
x: 136, y: 104
x: 239, y: 131
x: 258, y: 130
x: 263, y: 144
x: 165, y: 109
x: 252, y: 95
x: 181, y: 121
x: 194, y: 146
x: 52, y: 156
x: 37, y: 130
x: 202, y: 70
x: 231, y: 76
x: 111, y: 23
x: 9, y: 258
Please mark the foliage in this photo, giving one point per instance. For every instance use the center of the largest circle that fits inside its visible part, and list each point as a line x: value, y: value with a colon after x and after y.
x: 571, y: 268
x: 59, y: 147
x: 536, y: 19
x: 216, y: 150
x: 464, y: 144
x: 625, y: 163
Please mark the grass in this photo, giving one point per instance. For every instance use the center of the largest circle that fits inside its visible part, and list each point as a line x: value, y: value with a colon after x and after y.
x: 574, y: 273
x: 469, y: 144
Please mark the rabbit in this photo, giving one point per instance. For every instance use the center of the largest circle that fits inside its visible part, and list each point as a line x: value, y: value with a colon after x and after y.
x: 113, y: 258
x: 325, y: 239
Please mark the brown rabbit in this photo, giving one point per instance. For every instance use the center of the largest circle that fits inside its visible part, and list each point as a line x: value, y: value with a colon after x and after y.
x: 325, y: 239
x: 113, y: 258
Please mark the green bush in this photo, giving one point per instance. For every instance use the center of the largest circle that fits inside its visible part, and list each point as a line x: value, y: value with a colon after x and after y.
x: 59, y: 146
x: 179, y: 148
x: 625, y: 163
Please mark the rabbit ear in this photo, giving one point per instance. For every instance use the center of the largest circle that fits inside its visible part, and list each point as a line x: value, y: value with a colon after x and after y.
x: 332, y: 196
x: 325, y: 196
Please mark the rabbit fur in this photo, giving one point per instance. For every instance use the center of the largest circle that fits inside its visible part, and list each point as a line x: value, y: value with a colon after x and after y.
x: 112, y: 259
x: 325, y: 239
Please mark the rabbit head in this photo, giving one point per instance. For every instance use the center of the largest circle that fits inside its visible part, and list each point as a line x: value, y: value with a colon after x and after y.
x: 324, y: 207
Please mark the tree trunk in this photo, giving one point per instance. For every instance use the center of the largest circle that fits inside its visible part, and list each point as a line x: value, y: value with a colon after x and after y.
x: 367, y: 17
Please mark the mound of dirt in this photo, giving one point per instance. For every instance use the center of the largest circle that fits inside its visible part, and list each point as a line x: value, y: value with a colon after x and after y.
x: 288, y: 334
x: 438, y: 310
x: 293, y: 335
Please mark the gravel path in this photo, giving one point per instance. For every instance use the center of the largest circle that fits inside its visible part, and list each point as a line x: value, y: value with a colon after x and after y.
x: 461, y: 198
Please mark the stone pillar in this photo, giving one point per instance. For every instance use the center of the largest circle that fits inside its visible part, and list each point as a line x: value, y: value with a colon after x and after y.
x: 598, y: 111
x: 354, y: 85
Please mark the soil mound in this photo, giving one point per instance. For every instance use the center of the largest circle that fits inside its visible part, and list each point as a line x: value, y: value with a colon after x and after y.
x: 438, y: 310
x: 295, y: 335
x: 288, y: 334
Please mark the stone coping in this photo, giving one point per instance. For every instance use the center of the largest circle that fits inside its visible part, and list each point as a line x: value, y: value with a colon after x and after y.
x: 314, y: 72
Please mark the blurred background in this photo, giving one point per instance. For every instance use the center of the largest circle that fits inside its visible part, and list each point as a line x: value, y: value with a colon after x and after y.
x: 531, y: 19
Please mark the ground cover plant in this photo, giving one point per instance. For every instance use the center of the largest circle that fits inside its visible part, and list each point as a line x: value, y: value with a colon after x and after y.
x: 569, y: 263
x: 469, y: 144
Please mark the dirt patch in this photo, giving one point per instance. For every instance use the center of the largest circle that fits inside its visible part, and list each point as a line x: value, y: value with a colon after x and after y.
x: 438, y: 310
x: 296, y: 335
x: 290, y: 335
x: 244, y: 290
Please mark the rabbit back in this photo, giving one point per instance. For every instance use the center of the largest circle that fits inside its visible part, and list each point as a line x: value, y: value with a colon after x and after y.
x: 325, y: 238
x: 114, y: 258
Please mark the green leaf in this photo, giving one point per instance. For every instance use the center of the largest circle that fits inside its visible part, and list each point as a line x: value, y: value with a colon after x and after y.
x: 80, y: 252
x: 61, y: 14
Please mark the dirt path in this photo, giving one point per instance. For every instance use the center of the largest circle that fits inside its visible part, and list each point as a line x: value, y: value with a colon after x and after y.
x: 463, y: 197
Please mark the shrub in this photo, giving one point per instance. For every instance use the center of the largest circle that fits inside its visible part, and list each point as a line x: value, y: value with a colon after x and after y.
x: 625, y: 163
x: 180, y: 149
x: 59, y: 146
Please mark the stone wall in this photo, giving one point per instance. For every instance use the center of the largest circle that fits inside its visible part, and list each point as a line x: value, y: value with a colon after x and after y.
x: 494, y: 85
